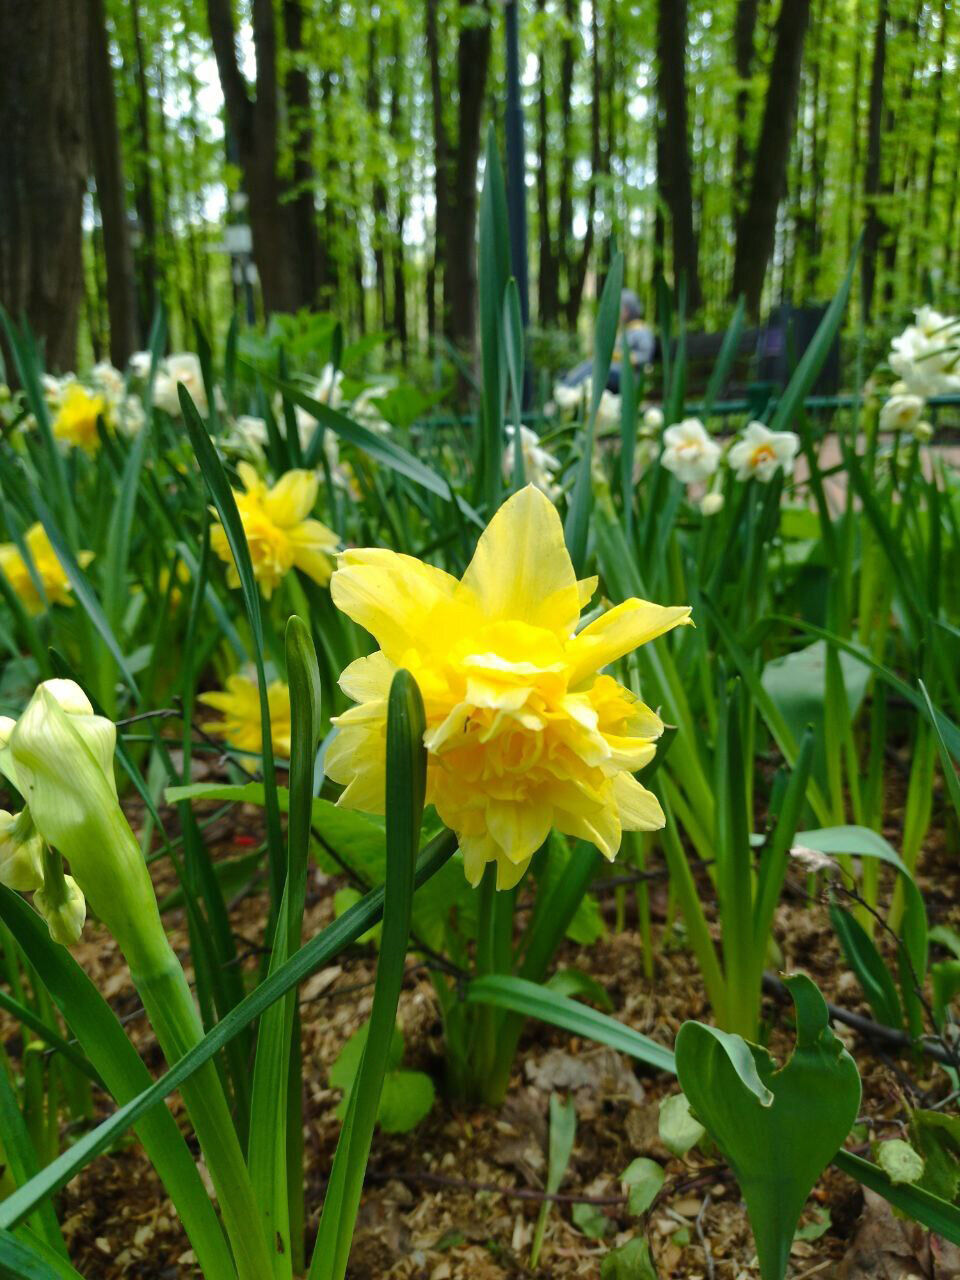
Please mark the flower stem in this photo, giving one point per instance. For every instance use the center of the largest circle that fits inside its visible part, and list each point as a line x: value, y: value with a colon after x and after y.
x: 173, y: 1015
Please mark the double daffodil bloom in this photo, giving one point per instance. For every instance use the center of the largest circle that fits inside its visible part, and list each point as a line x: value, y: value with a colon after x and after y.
x: 523, y: 734
x: 55, y: 583
x: 279, y: 534
x: 239, y: 705
x: 76, y: 419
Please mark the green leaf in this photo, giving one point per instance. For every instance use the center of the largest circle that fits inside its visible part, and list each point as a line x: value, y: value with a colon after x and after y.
x: 643, y: 1179
x: 494, y: 271
x: 591, y: 1220
x: 576, y: 983
x: 405, y: 791
x: 343, y: 1073
x: 899, y: 1161
x: 28, y: 1258
x: 679, y: 1130
x: 407, y: 1098
x: 535, y: 1001
x: 631, y: 1261
x: 936, y: 1137
x: 869, y: 966
x: 777, y: 1128
x: 929, y: 1210
x: 608, y: 317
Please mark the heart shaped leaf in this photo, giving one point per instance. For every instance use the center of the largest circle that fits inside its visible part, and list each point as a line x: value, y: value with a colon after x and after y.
x: 777, y: 1128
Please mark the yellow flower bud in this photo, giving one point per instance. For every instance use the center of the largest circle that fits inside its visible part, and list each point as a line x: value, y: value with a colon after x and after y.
x: 21, y: 852
x: 923, y: 431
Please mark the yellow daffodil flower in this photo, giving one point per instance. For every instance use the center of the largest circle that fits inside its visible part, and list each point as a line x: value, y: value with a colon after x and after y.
x: 76, y: 420
x: 239, y: 704
x: 56, y: 585
x: 523, y: 734
x: 279, y: 534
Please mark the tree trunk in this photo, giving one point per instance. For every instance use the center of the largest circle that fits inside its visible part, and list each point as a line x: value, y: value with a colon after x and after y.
x: 744, y: 26
x: 872, y: 173
x: 145, y: 250
x: 757, y: 230
x: 674, y: 177
x: 548, y: 289
x: 456, y: 171
x: 577, y: 270
x: 302, y: 207
x: 285, y: 245
x: 111, y: 192
x: 398, y: 255
x: 43, y: 168
x: 930, y: 179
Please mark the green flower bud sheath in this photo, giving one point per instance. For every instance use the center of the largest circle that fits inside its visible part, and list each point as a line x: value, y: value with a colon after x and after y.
x: 64, y: 766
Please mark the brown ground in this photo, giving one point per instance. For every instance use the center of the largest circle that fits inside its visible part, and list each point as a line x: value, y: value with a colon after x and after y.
x: 424, y: 1216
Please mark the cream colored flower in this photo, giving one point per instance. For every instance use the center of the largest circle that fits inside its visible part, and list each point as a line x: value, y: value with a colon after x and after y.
x: 21, y: 852
x: 178, y: 370
x: 539, y: 466
x: 652, y: 422
x: 711, y: 504
x: 689, y: 452
x: 64, y: 908
x: 927, y: 354
x: 901, y: 413
x: 760, y: 453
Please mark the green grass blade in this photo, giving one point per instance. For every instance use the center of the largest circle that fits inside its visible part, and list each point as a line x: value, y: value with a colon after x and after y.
x: 494, y: 271
x: 102, y: 1038
x: 30, y: 1258
x: 922, y: 1206
x: 269, y: 1140
x: 406, y: 789
x: 21, y: 1162
x: 535, y: 1001
x: 577, y: 524
x: 223, y: 500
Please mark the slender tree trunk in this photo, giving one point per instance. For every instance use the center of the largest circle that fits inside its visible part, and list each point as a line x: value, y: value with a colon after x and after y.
x: 674, y: 178
x: 744, y: 27
x: 43, y: 168
x: 757, y: 230
x: 397, y: 134
x: 111, y: 192
x: 547, y: 283
x: 302, y: 206
x: 872, y: 173
x: 578, y: 268
x: 568, y: 56
x: 281, y: 219
x: 930, y: 179
x: 145, y: 251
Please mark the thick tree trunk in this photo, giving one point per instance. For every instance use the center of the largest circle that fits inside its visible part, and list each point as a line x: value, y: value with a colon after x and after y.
x: 43, y: 168
x: 674, y: 176
x: 111, y: 192
x: 872, y: 174
x: 302, y: 207
x: 757, y: 230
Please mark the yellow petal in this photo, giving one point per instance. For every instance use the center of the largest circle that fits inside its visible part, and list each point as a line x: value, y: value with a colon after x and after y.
x: 586, y: 588
x: 519, y: 828
x: 521, y: 570
x: 368, y: 679
x: 393, y: 597
x: 619, y: 631
x: 357, y: 755
x: 291, y: 499
x: 250, y: 478
x: 510, y: 873
x: 639, y: 808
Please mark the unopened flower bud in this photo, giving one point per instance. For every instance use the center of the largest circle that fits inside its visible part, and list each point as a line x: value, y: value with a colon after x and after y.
x: 64, y: 910
x: 652, y: 420
x: 711, y: 504
x: 923, y: 432
x: 63, y: 760
x: 21, y: 852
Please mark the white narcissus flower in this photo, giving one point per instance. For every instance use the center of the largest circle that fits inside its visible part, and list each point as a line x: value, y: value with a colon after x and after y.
x: 608, y: 411
x: 63, y: 767
x: 568, y: 399
x: 538, y: 465
x: 108, y: 380
x: 760, y: 453
x: 652, y: 420
x: 139, y: 364
x: 180, y: 369
x: 901, y: 412
x: 927, y: 354
x: 327, y: 387
x: 689, y: 452
x: 711, y: 504
x: 64, y: 908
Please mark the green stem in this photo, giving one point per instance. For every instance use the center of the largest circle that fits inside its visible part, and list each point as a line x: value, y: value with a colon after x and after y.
x: 173, y: 1015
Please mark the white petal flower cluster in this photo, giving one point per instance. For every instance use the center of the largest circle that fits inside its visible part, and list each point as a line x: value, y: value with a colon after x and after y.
x: 539, y: 466
x: 926, y: 356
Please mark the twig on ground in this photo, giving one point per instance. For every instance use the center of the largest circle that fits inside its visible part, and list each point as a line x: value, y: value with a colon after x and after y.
x: 704, y: 1242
